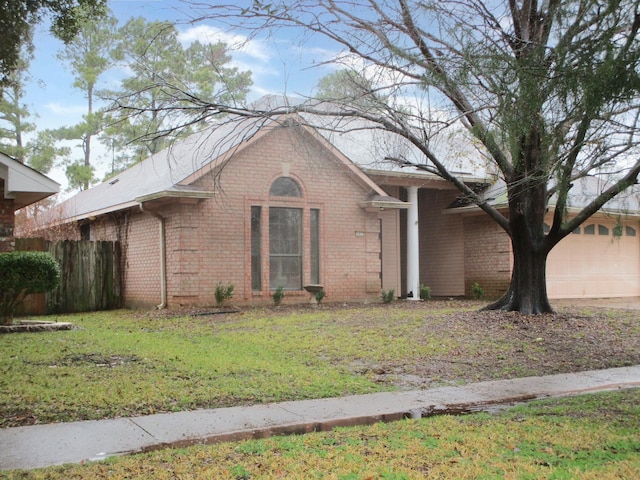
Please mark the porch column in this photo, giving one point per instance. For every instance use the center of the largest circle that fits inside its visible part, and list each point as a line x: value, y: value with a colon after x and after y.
x: 413, y: 249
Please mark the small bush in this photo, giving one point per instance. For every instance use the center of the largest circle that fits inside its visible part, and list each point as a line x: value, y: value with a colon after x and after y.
x: 319, y: 296
x: 223, y: 293
x: 388, y: 296
x: 425, y: 292
x: 477, y: 290
x: 278, y: 295
x: 21, y: 274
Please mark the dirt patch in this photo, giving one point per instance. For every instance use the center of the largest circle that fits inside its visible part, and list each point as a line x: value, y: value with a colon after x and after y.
x: 24, y: 326
x: 489, y: 345
x: 98, y: 359
x: 497, y: 345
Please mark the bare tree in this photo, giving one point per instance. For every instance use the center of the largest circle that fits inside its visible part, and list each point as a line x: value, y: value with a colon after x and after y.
x: 548, y: 89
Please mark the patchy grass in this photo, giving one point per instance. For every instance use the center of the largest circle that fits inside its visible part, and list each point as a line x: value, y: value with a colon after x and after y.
x: 586, y: 437
x: 123, y: 364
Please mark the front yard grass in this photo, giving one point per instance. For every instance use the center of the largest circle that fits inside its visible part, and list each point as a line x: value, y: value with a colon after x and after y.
x: 586, y: 437
x: 126, y: 364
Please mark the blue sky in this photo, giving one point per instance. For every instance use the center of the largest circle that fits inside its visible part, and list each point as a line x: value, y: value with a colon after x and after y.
x: 279, y: 65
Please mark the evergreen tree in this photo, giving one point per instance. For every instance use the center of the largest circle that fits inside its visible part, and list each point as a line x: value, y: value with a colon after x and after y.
x: 89, y: 55
x: 164, y: 77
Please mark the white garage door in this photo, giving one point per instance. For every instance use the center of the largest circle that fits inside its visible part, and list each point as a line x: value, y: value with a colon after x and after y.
x: 593, y: 262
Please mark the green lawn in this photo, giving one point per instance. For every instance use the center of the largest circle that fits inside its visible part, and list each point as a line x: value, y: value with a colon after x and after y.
x: 122, y: 363
x: 586, y: 437
x: 126, y: 363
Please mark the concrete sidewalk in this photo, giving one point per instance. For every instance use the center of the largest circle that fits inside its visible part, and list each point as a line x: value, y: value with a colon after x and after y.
x: 53, y: 444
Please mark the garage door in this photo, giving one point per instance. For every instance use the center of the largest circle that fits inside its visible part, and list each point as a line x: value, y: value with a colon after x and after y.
x: 593, y: 262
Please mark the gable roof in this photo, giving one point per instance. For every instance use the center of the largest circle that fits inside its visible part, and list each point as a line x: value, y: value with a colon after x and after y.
x: 171, y: 172
x: 361, y: 147
x: 23, y: 184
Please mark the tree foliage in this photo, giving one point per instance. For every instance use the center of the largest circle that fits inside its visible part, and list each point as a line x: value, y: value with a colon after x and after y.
x: 14, y: 114
x: 18, y: 17
x: 348, y: 87
x: 18, y: 136
x: 548, y: 90
x: 89, y: 55
x: 164, y: 77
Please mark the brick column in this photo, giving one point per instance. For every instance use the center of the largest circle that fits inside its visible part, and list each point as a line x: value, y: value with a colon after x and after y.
x: 7, y: 221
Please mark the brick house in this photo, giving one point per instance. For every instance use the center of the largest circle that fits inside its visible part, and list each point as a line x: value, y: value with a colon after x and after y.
x: 20, y: 186
x: 269, y: 202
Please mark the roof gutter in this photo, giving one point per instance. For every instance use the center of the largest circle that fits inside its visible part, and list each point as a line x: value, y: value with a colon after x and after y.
x: 163, y: 256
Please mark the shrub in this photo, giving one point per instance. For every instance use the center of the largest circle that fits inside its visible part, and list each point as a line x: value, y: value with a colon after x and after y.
x: 23, y: 273
x: 425, y: 292
x: 388, y: 296
x: 223, y: 293
x: 319, y: 296
x: 278, y: 295
x: 477, y: 290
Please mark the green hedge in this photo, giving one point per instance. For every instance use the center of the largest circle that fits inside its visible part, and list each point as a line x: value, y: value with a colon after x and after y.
x: 23, y: 273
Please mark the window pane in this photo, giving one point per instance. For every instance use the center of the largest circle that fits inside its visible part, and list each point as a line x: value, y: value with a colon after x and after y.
x: 315, y: 246
x: 602, y: 230
x: 590, y: 230
x: 256, y: 249
x: 285, y: 231
x: 285, y: 272
x: 631, y: 232
x: 285, y: 246
x: 285, y: 187
x: 576, y: 231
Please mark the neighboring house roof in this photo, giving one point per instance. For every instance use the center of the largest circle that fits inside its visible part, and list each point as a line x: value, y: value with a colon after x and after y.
x: 583, y: 191
x: 23, y: 184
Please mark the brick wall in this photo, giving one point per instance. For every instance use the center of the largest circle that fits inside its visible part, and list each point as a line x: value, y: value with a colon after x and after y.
x: 139, y: 237
x: 7, y: 221
x: 209, y: 241
x: 441, y: 244
x: 487, y: 254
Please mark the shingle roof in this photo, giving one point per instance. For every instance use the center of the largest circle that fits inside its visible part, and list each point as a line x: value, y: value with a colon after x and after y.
x: 166, y: 171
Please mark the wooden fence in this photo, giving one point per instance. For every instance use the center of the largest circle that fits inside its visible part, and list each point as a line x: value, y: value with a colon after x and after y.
x: 90, y: 277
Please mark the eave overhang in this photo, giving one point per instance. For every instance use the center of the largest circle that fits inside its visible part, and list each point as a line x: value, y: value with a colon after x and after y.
x: 383, y: 202
x: 23, y: 184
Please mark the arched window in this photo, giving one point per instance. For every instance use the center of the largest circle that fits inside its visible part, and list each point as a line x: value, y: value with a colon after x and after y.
x: 631, y: 232
x: 285, y: 187
x: 289, y: 223
x: 602, y: 230
x: 590, y: 229
x: 285, y: 238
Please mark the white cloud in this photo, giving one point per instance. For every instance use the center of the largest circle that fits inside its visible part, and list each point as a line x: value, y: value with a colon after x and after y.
x: 66, y: 110
x: 238, y: 43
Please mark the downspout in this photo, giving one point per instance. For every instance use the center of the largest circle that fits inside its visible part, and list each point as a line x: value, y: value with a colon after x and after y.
x: 163, y: 257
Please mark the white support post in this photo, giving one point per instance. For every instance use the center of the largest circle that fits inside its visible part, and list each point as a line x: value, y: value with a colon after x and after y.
x: 413, y: 248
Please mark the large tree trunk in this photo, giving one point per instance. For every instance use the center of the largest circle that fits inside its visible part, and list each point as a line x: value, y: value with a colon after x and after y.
x: 527, y: 292
x: 527, y: 194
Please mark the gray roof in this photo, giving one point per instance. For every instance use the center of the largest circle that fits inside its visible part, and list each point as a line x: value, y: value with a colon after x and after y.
x: 582, y: 192
x: 163, y: 171
x: 355, y: 139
